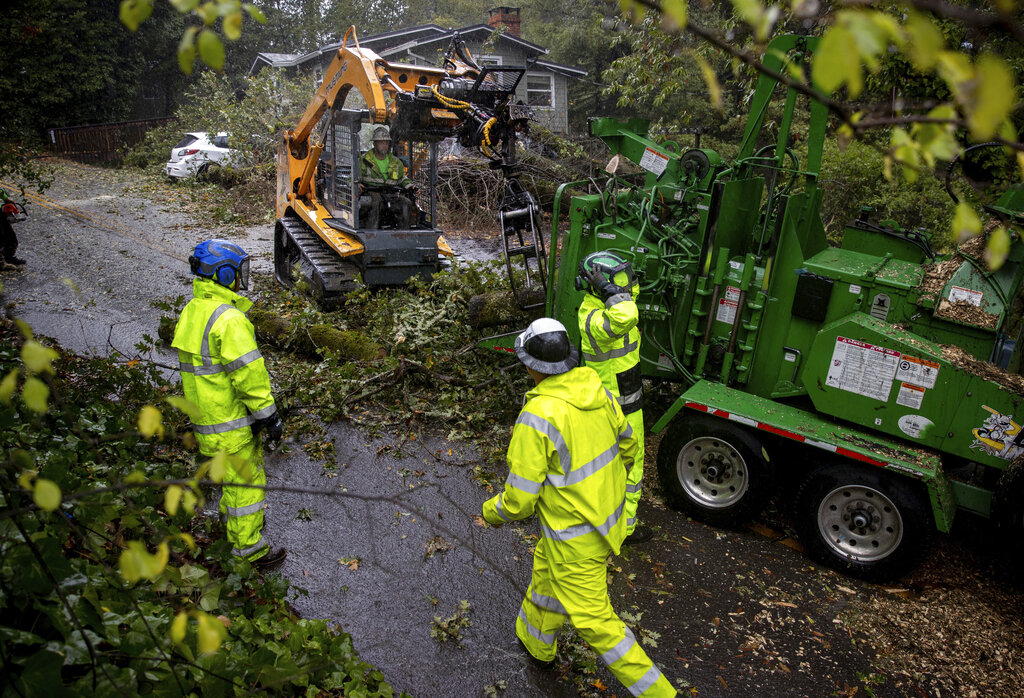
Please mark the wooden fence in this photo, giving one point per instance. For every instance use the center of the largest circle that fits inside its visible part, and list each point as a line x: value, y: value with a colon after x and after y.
x: 100, y: 142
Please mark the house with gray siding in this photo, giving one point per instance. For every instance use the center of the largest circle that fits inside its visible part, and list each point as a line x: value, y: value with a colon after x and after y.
x: 544, y: 87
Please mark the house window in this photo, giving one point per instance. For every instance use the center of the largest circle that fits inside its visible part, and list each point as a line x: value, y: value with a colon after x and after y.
x: 540, y: 90
x: 488, y: 61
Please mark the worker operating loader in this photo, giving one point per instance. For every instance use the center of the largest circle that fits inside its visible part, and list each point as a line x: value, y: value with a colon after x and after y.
x: 571, y: 448
x: 384, y: 188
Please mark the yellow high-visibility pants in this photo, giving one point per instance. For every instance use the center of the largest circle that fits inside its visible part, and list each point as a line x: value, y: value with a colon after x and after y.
x: 243, y: 506
x: 579, y: 590
x: 636, y: 475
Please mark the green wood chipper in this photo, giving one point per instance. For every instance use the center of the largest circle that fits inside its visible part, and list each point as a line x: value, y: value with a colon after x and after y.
x: 878, y: 380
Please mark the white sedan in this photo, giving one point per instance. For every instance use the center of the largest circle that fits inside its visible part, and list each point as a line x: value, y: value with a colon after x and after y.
x: 196, y: 151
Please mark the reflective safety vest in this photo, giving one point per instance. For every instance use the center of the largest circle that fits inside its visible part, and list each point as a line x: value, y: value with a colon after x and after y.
x: 610, y: 342
x: 222, y: 371
x: 370, y: 172
x: 570, y: 449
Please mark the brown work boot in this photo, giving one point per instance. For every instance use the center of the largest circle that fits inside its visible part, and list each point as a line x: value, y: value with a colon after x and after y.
x: 271, y: 561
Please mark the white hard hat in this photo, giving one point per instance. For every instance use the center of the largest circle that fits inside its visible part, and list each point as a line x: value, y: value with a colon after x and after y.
x: 544, y: 346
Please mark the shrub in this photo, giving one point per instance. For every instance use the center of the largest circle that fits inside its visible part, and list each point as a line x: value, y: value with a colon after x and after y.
x: 853, y: 178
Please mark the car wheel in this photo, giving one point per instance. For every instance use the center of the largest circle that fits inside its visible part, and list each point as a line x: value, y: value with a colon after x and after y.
x: 714, y: 470
x: 867, y: 523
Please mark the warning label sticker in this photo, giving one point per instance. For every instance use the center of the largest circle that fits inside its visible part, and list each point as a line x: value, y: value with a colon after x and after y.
x: 917, y: 371
x: 726, y: 311
x: 732, y: 293
x: 910, y: 396
x: 959, y: 293
x: 653, y: 161
x: 861, y: 368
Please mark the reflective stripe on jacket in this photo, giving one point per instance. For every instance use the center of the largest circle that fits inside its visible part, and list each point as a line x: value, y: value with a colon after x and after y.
x: 610, y: 342
x: 222, y: 370
x: 370, y: 173
x: 570, y: 449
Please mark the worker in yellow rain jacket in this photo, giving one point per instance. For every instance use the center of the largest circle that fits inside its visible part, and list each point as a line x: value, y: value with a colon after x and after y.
x: 610, y: 337
x: 223, y: 373
x: 571, y: 447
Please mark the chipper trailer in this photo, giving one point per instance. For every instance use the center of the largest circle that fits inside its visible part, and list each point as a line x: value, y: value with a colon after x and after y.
x: 877, y: 375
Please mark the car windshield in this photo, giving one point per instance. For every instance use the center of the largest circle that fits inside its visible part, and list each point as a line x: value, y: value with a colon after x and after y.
x: 220, y: 141
x: 188, y: 139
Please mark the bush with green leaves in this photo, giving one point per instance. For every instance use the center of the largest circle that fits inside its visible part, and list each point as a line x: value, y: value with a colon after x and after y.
x: 851, y: 179
x: 111, y: 583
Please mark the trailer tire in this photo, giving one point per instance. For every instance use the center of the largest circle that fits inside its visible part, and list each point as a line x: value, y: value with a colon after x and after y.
x: 867, y: 523
x: 714, y: 471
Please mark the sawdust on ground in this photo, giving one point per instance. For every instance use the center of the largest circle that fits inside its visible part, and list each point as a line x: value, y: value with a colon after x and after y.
x: 956, y: 624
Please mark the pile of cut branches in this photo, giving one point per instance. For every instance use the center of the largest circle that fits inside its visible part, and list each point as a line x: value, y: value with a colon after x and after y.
x: 470, y: 191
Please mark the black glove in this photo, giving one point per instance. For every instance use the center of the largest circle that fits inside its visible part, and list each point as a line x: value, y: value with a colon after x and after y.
x: 596, y: 278
x: 602, y: 286
x: 610, y: 289
x: 273, y: 426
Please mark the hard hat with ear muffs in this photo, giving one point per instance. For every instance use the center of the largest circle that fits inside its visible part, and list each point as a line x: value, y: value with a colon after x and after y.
x: 544, y: 346
x: 603, y: 271
x: 222, y: 261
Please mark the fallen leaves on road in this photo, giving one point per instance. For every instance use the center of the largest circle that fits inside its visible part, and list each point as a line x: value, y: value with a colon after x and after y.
x: 437, y: 544
x: 351, y: 562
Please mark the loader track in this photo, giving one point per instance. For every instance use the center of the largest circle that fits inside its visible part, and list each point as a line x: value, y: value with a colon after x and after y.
x: 328, y: 275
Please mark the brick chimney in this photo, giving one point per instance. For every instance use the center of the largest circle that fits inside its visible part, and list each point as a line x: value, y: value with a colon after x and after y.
x: 504, y: 16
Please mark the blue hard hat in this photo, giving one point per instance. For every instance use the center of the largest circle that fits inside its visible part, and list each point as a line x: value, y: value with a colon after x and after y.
x: 222, y: 261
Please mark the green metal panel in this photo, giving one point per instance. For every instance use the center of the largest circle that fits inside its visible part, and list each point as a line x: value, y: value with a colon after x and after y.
x: 886, y: 379
x: 870, y: 241
x: 972, y: 498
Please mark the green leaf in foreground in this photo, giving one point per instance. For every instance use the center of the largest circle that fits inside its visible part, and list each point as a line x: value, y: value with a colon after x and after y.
x: 46, y: 494
x: 138, y: 563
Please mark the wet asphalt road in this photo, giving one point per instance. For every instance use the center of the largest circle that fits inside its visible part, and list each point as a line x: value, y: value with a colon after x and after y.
x: 728, y: 613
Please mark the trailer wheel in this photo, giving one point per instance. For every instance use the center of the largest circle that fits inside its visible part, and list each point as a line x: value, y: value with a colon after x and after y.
x: 867, y: 523
x: 714, y: 471
x: 1007, y: 512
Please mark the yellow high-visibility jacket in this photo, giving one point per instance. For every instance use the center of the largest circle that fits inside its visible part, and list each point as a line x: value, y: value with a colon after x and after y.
x: 222, y: 370
x: 394, y: 170
x: 570, y: 449
x: 610, y: 342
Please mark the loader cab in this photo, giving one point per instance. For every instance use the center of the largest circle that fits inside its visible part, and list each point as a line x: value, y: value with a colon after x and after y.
x: 348, y: 137
x: 396, y: 248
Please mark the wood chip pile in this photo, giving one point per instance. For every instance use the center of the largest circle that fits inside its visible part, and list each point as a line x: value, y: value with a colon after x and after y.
x: 955, y: 628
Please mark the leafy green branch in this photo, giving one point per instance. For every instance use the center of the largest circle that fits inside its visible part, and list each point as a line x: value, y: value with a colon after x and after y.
x: 201, y: 38
x: 88, y: 608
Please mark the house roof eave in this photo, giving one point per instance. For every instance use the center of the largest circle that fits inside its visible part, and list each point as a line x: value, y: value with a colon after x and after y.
x: 566, y: 70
